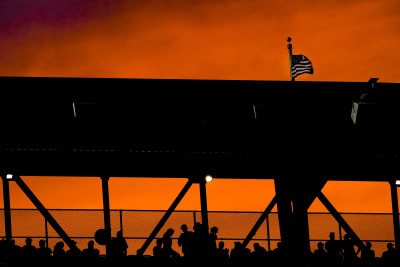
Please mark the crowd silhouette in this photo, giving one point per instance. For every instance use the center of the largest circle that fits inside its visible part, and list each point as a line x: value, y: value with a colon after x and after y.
x: 198, y: 247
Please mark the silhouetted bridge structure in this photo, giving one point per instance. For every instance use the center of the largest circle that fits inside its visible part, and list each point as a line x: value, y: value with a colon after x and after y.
x: 301, y: 134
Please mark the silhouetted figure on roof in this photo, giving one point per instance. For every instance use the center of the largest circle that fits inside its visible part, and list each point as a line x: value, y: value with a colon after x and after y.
x: 167, y: 244
x: 222, y: 256
x: 186, y: 241
x: 320, y: 256
x: 90, y: 251
x: 333, y: 248
x: 368, y: 255
x: 389, y: 256
x: 58, y: 250
x: 43, y: 251
x: 28, y: 251
x: 119, y: 246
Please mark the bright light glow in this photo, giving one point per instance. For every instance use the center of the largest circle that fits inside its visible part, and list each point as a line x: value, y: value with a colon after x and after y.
x: 209, y: 178
x: 397, y: 182
x: 9, y: 176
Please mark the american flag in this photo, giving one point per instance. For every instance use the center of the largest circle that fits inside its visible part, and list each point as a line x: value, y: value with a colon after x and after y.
x: 300, y: 65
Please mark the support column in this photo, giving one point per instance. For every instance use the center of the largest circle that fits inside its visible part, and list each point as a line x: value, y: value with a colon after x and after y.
x: 164, y: 218
x: 395, y: 210
x: 106, y: 212
x: 285, y: 212
x: 7, y: 210
x: 203, y: 202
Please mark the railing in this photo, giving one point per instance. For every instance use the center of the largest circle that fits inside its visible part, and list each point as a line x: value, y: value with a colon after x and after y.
x: 81, y: 224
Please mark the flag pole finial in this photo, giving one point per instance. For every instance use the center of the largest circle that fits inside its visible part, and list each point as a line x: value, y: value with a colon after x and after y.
x: 289, y: 46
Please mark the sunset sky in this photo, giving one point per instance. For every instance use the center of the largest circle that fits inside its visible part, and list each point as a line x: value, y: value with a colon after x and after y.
x: 227, y: 39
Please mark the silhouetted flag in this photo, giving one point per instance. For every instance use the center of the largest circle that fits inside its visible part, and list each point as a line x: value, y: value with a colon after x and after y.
x: 300, y: 65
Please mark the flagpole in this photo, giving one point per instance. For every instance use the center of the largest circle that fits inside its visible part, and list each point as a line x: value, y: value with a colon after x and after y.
x: 289, y: 46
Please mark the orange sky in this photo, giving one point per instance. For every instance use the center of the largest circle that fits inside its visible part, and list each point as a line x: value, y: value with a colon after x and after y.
x: 227, y: 39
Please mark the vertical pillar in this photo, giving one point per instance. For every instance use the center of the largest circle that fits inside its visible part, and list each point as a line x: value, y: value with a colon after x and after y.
x: 7, y: 210
x: 203, y: 202
x: 395, y: 210
x: 106, y: 212
x: 284, y: 205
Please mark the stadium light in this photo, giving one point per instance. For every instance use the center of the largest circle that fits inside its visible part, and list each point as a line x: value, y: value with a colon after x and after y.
x: 398, y: 182
x: 209, y: 178
x: 9, y: 176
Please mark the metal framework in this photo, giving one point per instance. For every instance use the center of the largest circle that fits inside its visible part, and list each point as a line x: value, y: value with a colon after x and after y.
x: 301, y: 134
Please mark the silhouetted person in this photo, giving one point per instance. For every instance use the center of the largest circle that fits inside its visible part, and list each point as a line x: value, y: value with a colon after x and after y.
x: 90, y: 251
x: 186, y: 241
x: 212, y: 241
x: 158, y: 250
x: 58, y: 250
x: 236, y: 252
x: 259, y: 255
x: 200, y: 241
x: 320, y: 255
x: 28, y: 251
x: 167, y: 244
x: 349, y: 254
x: 119, y: 246
x: 389, y: 256
x: 43, y: 251
x: 222, y: 256
x: 367, y: 254
x: 333, y: 248
x: 74, y: 251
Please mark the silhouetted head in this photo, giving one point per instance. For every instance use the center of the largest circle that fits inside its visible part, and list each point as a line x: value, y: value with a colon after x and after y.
x: 90, y: 244
x: 159, y: 241
x: 368, y: 245
x: 389, y: 246
x: 42, y: 243
x: 346, y: 237
x: 214, y: 230
x: 184, y: 227
x: 237, y: 244
x: 256, y: 246
x: 59, y: 245
x: 320, y: 245
x: 279, y: 244
x: 12, y: 241
x: 28, y: 241
x: 119, y: 234
x: 332, y: 236
x: 197, y: 227
x: 221, y: 244
x: 169, y: 232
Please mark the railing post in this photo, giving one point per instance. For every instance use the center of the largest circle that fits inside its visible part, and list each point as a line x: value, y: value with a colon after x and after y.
x: 120, y: 222
x: 268, y: 233
x: 46, y: 232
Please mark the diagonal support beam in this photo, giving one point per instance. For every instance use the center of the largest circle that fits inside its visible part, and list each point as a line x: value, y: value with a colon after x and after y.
x: 165, y: 218
x: 259, y: 222
x: 46, y: 214
x: 340, y: 220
